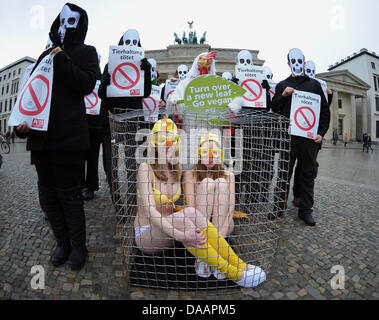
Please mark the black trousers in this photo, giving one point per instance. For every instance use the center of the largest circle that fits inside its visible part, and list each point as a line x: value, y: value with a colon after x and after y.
x: 59, y: 187
x: 305, y: 151
x: 296, y: 182
x: 90, y: 171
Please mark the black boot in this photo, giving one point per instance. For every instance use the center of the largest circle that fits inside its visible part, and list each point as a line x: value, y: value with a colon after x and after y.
x: 72, y: 205
x: 78, y: 257
x: 61, y: 254
x: 307, y: 218
x: 51, y: 205
x: 87, y: 194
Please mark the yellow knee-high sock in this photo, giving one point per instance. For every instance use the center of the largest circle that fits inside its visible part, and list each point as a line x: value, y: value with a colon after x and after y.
x: 222, y: 246
x: 211, y: 257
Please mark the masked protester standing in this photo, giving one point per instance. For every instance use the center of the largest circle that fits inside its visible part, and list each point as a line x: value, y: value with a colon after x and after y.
x: 303, y: 149
x: 130, y: 38
x: 310, y: 71
x: 258, y: 155
x: 90, y: 173
x: 58, y: 153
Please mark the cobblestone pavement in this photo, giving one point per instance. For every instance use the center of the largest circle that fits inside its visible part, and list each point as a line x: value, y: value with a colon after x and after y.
x: 346, y: 234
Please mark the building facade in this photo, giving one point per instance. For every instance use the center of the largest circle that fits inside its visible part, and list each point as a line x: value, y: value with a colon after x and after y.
x: 365, y: 65
x: 348, y: 92
x: 170, y: 58
x: 10, y: 77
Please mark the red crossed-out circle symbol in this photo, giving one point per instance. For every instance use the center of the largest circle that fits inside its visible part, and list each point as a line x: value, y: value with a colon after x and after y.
x: 252, y: 85
x: 123, y: 76
x: 150, y: 106
x: 307, y: 118
x: 170, y: 93
x: 34, y: 97
x: 92, y: 105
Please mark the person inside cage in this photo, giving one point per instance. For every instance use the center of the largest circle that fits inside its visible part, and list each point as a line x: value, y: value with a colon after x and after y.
x: 210, y: 188
x: 158, y: 225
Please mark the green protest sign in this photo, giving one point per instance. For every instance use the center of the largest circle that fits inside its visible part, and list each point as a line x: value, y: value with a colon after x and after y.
x: 211, y: 95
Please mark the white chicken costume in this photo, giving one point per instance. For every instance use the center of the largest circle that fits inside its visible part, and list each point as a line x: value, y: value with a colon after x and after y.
x: 204, y: 64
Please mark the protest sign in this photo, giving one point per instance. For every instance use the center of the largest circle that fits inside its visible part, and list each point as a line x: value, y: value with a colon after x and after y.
x: 124, y: 66
x: 305, y: 114
x: 34, y: 99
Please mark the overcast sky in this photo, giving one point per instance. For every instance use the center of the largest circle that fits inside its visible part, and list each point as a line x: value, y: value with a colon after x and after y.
x: 326, y: 30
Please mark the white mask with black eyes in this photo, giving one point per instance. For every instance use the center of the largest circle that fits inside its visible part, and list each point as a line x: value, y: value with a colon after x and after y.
x: 182, y: 71
x: 244, y: 58
x: 68, y: 20
x: 267, y: 73
x: 153, y: 63
x: 296, y: 60
x: 131, y: 38
x: 310, y: 69
x: 227, y: 75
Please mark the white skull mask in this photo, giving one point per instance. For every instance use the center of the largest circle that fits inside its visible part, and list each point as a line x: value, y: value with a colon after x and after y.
x: 296, y: 60
x: 310, y: 69
x: 182, y: 71
x: 227, y: 75
x: 68, y: 20
x: 245, y: 58
x: 153, y: 69
x: 267, y: 73
x: 131, y: 38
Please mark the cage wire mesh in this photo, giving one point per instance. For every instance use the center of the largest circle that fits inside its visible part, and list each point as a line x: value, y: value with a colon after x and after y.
x: 253, y: 147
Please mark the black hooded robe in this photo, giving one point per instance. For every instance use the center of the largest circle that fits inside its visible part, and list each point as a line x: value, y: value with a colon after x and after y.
x: 116, y: 105
x: 59, y: 152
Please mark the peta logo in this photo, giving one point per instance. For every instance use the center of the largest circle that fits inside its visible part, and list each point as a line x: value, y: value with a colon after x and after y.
x: 135, y: 92
x: 37, y: 123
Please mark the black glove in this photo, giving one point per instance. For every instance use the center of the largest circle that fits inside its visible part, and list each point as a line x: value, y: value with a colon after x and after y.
x: 235, y: 80
x: 265, y: 85
x: 145, y: 65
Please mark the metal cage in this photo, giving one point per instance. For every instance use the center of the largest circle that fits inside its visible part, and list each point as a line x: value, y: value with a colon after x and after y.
x: 255, y: 147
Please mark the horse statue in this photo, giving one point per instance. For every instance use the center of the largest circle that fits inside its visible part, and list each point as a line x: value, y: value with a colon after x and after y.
x: 177, y: 39
x: 194, y: 39
x: 202, y: 39
x: 184, y: 38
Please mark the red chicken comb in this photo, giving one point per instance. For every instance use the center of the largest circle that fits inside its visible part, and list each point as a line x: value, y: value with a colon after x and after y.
x: 211, y: 55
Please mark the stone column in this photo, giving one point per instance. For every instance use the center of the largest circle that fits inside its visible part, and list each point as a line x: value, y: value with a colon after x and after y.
x: 334, y: 111
x: 353, y: 125
x: 364, y: 114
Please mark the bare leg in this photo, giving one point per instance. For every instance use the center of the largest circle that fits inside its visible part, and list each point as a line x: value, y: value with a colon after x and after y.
x: 222, y: 218
x: 204, y: 197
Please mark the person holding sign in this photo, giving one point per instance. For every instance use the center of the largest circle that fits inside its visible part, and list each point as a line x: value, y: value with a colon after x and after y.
x: 310, y: 71
x: 130, y: 40
x: 171, y: 84
x: 157, y: 226
x: 90, y: 174
x: 304, y: 149
x: 204, y: 64
x: 58, y: 153
x: 128, y: 95
x: 253, y: 79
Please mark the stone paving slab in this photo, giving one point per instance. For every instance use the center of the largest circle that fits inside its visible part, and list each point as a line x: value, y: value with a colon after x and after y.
x: 346, y: 234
